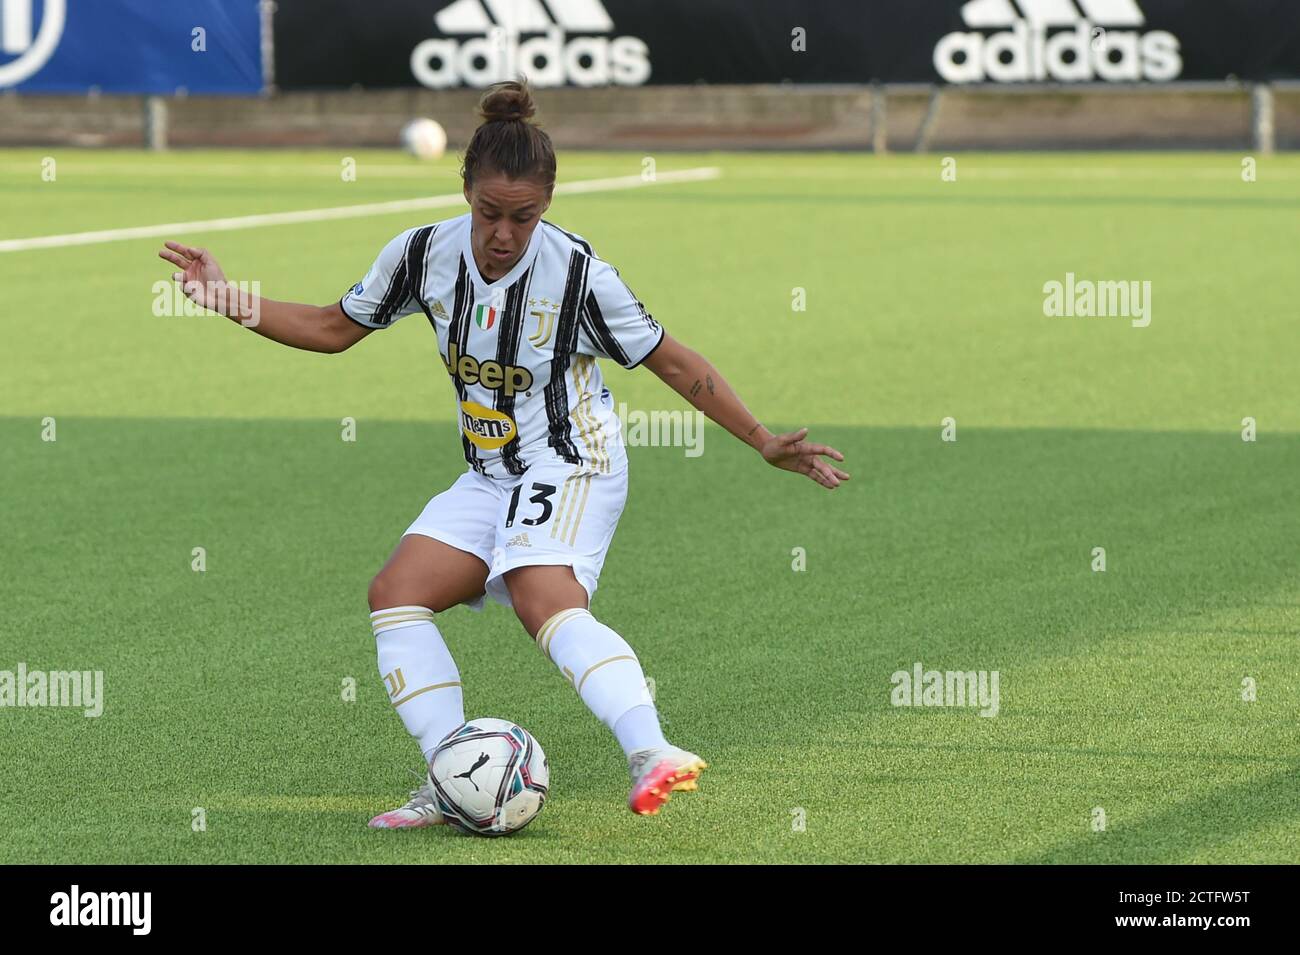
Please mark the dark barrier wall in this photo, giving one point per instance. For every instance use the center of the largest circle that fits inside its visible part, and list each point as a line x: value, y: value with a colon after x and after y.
x: 454, y: 43
x: 130, y: 46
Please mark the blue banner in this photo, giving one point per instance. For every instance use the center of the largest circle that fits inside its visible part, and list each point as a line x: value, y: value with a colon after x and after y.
x: 131, y: 46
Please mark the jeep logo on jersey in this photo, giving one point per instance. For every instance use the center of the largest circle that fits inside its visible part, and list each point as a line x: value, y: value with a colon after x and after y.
x: 485, y: 428
x: 509, y: 37
x: 24, y: 48
x: 1056, y: 40
x: 490, y: 374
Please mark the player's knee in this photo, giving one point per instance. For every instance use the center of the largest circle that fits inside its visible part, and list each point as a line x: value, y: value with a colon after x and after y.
x: 539, y: 593
x: 384, y: 592
x: 530, y: 614
x: 438, y: 593
x: 533, y: 612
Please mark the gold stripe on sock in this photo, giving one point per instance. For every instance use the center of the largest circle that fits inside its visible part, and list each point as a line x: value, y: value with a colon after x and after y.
x: 545, y: 645
x: 425, y: 689
x: 547, y: 630
x: 596, y: 666
x: 554, y: 621
x: 381, y: 616
x: 402, y: 618
x: 395, y: 622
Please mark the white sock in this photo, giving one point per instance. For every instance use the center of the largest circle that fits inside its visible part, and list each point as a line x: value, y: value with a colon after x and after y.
x: 606, y: 674
x: 638, y: 728
x: 419, y: 674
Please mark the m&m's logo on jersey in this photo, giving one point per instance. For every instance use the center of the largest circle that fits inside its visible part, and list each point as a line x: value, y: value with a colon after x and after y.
x: 485, y: 316
x: 486, y: 428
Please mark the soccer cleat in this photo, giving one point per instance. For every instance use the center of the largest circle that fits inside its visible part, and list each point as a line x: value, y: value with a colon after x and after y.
x: 420, y: 810
x: 659, y: 772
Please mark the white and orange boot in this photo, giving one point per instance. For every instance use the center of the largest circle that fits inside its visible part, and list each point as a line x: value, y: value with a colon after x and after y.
x: 659, y: 772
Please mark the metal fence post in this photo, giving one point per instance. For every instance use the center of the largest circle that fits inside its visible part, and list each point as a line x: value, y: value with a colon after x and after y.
x: 926, y: 132
x: 266, y: 13
x: 1261, y: 118
x: 155, y: 123
x: 879, y: 133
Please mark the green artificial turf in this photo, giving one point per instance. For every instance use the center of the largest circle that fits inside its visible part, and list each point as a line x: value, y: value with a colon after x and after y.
x: 1119, y: 690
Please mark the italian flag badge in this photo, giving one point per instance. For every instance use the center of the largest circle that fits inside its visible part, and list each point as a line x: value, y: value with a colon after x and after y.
x: 485, y: 316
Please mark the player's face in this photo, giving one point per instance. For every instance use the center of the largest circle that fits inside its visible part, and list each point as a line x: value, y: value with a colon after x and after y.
x: 504, y: 213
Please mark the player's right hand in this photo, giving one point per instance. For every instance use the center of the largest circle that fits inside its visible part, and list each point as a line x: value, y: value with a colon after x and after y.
x: 200, y: 278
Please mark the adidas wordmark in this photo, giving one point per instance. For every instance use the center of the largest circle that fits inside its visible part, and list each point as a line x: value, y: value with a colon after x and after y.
x: 509, y: 37
x: 1069, y: 41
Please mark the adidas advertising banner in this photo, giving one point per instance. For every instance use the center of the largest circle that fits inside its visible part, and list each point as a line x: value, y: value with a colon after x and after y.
x: 444, y: 44
x: 1129, y: 41
x: 130, y: 46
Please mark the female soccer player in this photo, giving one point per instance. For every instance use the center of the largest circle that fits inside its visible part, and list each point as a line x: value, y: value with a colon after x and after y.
x: 522, y: 310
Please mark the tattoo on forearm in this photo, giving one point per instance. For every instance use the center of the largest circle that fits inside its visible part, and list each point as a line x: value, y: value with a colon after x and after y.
x: 709, y: 379
x: 750, y: 432
x: 695, y: 388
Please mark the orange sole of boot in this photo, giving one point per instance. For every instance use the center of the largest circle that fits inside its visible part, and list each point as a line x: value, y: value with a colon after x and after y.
x: 657, y: 786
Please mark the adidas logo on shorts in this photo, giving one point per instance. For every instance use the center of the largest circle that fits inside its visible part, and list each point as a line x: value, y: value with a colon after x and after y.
x: 1070, y: 41
x: 520, y: 540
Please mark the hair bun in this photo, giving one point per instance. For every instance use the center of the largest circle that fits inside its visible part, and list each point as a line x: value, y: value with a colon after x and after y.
x: 507, y: 102
x: 508, y: 142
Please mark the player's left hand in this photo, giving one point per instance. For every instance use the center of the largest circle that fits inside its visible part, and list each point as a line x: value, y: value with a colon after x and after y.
x: 792, y: 453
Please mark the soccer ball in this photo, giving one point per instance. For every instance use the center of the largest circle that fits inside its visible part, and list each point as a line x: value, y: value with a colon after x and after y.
x: 490, y: 777
x: 424, y: 139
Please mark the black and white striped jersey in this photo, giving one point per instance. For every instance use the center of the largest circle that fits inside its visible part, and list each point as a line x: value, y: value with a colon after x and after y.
x: 521, y: 351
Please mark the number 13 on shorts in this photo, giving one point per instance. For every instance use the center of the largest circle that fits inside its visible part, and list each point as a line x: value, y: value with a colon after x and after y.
x: 572, y: 508
x: 542, y: 494
x: 557, y: 514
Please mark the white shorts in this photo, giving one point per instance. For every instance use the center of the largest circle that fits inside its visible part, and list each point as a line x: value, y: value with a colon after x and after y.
x: 555, y: 513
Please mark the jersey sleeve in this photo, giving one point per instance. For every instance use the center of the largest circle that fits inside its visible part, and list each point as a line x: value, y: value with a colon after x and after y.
x: 386, y: 292
x: 614, y: 323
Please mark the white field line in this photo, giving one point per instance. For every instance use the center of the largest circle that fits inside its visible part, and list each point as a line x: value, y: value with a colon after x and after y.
x: 172, y: 229
x: 250, y: 170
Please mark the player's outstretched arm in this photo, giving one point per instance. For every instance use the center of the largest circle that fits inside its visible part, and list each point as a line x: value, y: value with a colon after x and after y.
x: 309, y: 327
x: 692, y: 376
